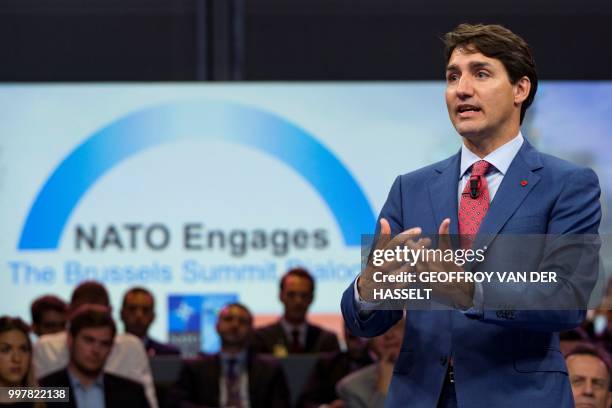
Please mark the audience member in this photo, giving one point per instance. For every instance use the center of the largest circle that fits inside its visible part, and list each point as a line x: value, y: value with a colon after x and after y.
x: 367, y: 387
x: 48, y: 315
x: 89, y: 341
x: 15, y: 358
x: 590, y: 375
x: 599, y: 329
x: 571, y: 338
x: 330, y: 368
x: 234, y: 377
x: 137, y: 314
x: 127, y: 358
x: 293, y: 333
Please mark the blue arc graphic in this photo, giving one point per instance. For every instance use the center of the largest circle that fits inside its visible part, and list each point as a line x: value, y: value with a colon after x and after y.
x: 226, y: 121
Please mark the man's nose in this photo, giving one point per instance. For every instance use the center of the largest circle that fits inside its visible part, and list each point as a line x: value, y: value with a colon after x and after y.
x: 97, y: 349
x: 587, y: 389
x: 464, y: 87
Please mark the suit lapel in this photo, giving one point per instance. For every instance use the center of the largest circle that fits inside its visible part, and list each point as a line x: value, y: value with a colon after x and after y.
x: 66, y: 383
x: 516, y: 184
x: 254, y: 380
x: 215, y: 379
x: 109, y: 401
x: 443, y: 193
x: 312, y: 335
x: 280, y: 334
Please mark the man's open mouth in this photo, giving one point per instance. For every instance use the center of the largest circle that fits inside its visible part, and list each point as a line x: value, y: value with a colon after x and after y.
x: 467, y: 108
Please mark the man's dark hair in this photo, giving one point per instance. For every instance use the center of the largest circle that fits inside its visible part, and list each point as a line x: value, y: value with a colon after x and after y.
x: 135, y: 290
x: 241, y: 306
x: 576, y: 334
x: 302, y: 273
x: 89, y: 292
x: 589, y: 349
x: 46, y: 303
x: 91, y: 315
x: 495, y: 41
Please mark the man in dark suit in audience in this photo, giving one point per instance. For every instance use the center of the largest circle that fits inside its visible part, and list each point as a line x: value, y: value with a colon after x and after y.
x: 234, y: 377
x: 293, y: 334
x: 137, y: 314
x: 590, y: 373
x: 331, y: 368
x: 48, y: 315
x: 90, y: 341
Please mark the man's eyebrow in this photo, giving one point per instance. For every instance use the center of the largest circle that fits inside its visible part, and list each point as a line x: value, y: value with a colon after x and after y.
x: 479, y: 64
x: 473, y: 65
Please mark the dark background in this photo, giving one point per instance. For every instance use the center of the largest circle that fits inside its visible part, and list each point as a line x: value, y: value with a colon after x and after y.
x: 186, y: 40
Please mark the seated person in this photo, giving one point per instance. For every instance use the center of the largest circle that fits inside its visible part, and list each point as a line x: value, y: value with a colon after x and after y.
x: 48, y: 315
x: 127, y: 358
x: 589, y: 372
x: 367, y: 388
x: 234, y: 377
x: 599, y: 328
x: 90, y: 340
x: 137, y: 314
x: 571, y: 338
x: 15, y: 357
x: 330, y: 368
x: 292, y: 333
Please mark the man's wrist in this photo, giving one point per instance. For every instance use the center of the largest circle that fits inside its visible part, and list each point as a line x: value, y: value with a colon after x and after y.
x: 464, y: 298
x: 361, y: 289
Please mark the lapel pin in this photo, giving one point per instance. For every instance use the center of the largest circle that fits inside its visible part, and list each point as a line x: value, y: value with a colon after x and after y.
x: 523, y: 183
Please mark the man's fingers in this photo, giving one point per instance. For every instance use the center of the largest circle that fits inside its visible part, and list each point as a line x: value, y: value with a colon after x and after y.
x: 444, y: 227
x: 384, y: 235
x: 385, y: 228
x: 444, y: 237
x: 405, y: 239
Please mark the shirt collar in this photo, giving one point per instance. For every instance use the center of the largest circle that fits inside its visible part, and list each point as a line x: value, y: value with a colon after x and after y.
x: 240, y: 357
x: 74, y: 381
x: 499, y: 158
x: 288, y: 327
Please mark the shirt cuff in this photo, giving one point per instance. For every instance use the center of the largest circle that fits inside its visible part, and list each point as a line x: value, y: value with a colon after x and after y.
x: 364, y: 308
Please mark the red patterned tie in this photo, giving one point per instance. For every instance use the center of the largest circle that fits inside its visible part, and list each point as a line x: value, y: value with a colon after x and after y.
x: 474, y: 203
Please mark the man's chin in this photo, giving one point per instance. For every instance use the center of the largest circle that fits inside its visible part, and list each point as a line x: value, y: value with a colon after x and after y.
x: 471, y: 133
x: 90, y: 370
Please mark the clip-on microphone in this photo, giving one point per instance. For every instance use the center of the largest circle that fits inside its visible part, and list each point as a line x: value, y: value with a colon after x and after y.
x: 474, y: 182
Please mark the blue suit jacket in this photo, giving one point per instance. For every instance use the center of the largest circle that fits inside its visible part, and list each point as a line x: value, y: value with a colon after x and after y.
x: 501, y: 358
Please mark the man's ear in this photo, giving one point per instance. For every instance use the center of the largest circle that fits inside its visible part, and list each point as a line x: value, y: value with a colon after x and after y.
x: 521, y: 90
x: 69, y: 340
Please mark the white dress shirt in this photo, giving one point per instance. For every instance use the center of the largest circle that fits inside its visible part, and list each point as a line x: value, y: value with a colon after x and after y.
x: 242, y: 371
x: 288, y: 328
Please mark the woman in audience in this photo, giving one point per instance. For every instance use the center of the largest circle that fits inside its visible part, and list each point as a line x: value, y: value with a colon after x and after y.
x: 15, y: 358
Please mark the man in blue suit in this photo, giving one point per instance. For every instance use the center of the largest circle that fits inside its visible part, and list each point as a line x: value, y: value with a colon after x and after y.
x: 476, y: 353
